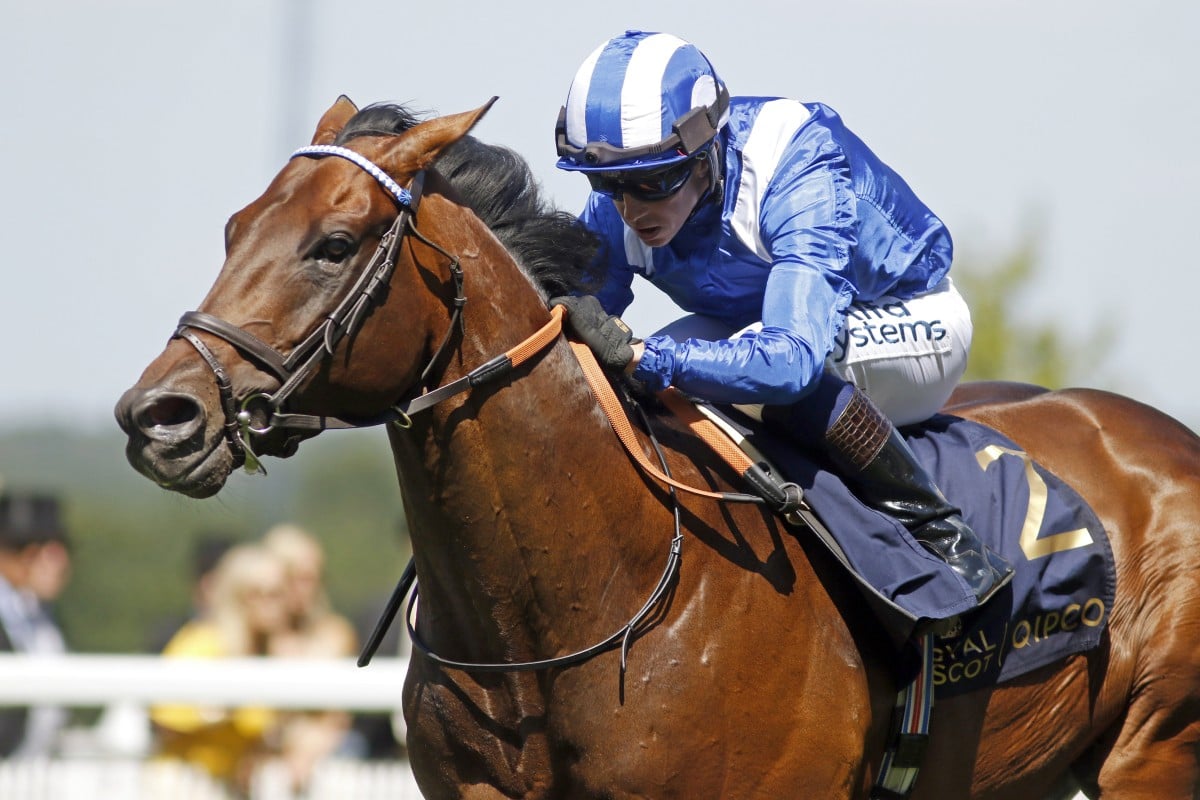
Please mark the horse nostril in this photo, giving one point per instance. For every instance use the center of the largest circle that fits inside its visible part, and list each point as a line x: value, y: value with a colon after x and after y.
x: 168, y: 416
x: 169, y: 411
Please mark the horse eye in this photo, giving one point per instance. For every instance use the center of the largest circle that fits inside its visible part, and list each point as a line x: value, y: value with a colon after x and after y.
x: 336, y: 248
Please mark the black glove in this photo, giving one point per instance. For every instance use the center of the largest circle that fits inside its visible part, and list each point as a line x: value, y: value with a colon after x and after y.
x: 608, y: 336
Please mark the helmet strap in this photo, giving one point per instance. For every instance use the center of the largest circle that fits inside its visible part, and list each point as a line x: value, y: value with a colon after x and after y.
x: 715, y: 157
x: 712, y: 156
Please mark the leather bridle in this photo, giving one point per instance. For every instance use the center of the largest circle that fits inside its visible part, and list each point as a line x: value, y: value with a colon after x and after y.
x: 261, y: 413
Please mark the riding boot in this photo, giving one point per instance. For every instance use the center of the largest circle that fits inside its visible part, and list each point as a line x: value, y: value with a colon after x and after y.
x: 885, y: 475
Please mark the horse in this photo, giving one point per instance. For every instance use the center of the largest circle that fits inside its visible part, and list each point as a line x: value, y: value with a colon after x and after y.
x: 759, y: 672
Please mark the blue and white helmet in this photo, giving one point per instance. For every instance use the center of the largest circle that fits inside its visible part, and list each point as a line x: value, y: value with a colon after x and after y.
x: 640, y: 101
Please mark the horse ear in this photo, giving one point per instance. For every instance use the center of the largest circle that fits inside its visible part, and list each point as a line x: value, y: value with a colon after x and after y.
x: 421, y: 146
x: 334, y: 120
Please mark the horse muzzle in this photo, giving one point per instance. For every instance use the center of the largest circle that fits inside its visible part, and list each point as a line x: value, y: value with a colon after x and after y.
x: 172, y: 441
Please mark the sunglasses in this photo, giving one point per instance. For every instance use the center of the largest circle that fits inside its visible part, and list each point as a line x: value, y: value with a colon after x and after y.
x: 645, y: 185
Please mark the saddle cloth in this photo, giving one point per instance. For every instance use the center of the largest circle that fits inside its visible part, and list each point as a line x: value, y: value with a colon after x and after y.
x: 1058, y: 602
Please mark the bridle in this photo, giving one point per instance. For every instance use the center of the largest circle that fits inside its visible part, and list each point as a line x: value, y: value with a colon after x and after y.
x: 345, y: 320
x: 259, y: 414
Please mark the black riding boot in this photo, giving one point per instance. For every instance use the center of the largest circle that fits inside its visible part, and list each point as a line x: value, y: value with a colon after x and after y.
x: 885, y: 475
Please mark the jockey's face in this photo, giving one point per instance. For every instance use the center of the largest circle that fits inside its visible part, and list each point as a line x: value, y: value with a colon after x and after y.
x: 657, y: 221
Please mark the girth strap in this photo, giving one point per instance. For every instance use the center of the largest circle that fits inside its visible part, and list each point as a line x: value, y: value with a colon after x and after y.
x: 909, y: 736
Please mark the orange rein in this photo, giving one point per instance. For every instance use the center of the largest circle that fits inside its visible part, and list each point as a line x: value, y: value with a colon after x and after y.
x: 705, y: 429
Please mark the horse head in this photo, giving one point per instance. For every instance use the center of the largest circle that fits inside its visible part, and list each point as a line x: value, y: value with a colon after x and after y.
x: 293, y: 322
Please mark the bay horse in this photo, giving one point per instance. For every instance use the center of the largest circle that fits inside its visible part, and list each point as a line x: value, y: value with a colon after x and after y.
x: 760, y: 673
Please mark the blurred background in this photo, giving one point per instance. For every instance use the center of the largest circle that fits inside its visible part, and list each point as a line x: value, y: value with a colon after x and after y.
x: 1054, y: 138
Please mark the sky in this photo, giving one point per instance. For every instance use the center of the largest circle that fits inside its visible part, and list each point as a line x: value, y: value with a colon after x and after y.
x: 132, y: 129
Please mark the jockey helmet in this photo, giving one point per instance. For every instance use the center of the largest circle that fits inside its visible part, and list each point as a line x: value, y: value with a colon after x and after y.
x: 640, y: 101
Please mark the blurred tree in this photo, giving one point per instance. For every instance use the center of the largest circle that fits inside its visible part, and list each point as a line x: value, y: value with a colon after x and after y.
x: 1008, y: 345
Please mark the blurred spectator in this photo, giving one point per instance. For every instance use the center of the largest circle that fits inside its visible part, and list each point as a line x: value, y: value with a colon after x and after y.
x: 35, y: 565
x: 314, y: 631
x: 248, y: 609
x: 123, y: 727
x: 207, y: 549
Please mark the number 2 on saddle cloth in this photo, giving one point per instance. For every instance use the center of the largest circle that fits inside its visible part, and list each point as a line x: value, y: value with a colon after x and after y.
x: 1060, y: 598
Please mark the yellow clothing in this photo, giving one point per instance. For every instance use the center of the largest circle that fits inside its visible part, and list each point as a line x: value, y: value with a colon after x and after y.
x: 219, y: 740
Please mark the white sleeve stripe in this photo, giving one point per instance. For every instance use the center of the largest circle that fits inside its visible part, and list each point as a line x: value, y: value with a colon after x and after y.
x: 774, y: 127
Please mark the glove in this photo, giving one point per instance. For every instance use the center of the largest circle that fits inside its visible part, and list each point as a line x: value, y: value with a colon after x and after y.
x: 608, y: 336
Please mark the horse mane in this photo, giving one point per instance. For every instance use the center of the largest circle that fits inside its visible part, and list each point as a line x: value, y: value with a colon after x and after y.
x: 497, y: 184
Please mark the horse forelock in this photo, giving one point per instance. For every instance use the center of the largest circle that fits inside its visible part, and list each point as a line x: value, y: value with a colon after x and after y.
x: 551, y: 245
x: 379, y: 119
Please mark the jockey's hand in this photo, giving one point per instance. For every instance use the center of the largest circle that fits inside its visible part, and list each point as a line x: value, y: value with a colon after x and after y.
x: 608, y: 336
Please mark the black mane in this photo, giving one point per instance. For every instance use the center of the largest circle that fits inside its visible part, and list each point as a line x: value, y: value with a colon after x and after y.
x: 497, y: 184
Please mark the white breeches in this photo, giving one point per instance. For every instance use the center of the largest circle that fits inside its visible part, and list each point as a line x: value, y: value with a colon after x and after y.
x: 907, y: 355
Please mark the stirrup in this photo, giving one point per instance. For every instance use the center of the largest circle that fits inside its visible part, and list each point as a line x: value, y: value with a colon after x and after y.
x: 946, y: 628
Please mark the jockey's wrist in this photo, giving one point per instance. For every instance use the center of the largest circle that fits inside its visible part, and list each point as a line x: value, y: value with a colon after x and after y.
x: 639, y: 347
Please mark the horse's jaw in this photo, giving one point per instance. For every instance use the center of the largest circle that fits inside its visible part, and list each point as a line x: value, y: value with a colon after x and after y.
x: 197, y: 478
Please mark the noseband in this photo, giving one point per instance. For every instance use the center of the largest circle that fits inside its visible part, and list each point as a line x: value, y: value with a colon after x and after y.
x: 294, y: 368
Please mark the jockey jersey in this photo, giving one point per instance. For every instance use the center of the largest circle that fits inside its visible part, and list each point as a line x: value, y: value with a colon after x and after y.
x: 811, y: 221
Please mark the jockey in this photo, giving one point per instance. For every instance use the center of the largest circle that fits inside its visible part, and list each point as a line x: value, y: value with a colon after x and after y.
x: 816, y: 279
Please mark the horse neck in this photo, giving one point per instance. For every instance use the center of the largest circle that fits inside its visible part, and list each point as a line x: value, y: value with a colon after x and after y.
x: 510, y: 488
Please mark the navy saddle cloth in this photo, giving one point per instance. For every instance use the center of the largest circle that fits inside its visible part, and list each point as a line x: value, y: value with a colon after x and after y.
x: 1060, y: 598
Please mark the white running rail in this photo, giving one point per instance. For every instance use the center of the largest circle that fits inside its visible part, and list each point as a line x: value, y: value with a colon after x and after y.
x: 121, y: 680
x: 101, y: 680
x: 132, y: 683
